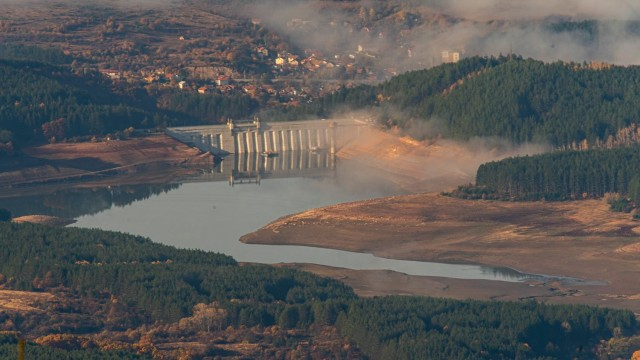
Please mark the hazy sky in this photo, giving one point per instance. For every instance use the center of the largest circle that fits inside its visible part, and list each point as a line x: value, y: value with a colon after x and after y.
x: 484, y: 27
x: 527, y: 9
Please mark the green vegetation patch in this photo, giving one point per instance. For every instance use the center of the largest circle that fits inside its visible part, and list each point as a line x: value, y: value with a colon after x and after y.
x: 564, y: 175
x: 521, y: 100
x: 401, y: 327
x: 156, y: 282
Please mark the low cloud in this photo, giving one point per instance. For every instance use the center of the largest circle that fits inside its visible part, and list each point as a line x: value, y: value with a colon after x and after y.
x: 390, y: 162
x: 415, y: 37
x: 523, y: 9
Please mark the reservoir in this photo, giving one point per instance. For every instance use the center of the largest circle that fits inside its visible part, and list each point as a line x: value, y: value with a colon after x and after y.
x: 213, y: 210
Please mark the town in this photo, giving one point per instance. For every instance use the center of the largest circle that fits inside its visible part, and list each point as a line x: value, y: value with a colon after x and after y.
x: 195, y: 49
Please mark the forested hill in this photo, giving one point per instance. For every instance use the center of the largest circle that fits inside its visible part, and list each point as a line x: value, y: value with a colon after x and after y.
x: 560, y: 175
x: 45, y: 102
x: 517, y: 99
x: 123, y: 285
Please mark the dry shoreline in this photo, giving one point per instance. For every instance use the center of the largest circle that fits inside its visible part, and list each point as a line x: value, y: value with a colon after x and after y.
x: 386, y: 282
x: 44, y: 220
x: 576, y: 239
x: 150, y: 159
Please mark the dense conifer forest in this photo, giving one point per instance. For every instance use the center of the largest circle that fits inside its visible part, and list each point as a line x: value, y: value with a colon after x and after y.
x: 401, y: 327
x: 157, y: 283
x: 46, y: 101
x: 564, y: 175
x: 42, y: 101
x: 522, y: 100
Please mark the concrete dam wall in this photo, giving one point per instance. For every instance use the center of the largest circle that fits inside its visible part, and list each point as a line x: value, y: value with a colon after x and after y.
x: 259, y: 137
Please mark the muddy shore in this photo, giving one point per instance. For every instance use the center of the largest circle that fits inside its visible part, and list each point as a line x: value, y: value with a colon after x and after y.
x: 151, y: 159
x: 577, y: 239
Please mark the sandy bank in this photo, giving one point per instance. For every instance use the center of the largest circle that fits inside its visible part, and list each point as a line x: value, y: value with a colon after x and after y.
x: 578, y: 239
x: 43, y: 220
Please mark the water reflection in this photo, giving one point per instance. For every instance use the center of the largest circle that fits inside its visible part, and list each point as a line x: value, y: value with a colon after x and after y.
x: 251, y: 168
x: 74, y: 202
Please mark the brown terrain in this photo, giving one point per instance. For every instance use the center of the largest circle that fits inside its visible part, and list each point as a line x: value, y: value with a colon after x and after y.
x: 127, y: 37
x: 189, y: 338
x: 576, y: 239
x: 151, y: 159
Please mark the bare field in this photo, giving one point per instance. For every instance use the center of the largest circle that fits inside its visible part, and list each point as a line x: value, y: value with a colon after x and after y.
x: 24, y: 301
x: 107, y: 162
x: 44, y: 220
x: 581, y: 239
x: 578, y: 239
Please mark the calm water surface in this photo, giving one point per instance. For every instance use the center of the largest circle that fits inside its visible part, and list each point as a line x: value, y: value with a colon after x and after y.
x: 212, y: 215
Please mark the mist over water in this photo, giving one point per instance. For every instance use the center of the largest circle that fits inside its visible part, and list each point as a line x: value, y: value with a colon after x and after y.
x: 416, y: 159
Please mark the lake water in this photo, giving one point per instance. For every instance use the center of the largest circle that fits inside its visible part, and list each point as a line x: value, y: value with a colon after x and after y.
x: 211, y: 212
x: 213, y: 216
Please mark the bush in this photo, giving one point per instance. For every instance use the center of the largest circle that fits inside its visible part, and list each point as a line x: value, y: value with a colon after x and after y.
x: 618, y: 203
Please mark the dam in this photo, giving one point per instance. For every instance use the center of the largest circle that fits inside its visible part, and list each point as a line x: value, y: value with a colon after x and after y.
x: 251, y: 168
x: 248, y: 151
x: 261, y: 137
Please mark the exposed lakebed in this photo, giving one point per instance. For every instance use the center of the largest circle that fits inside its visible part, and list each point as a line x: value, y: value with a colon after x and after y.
x: 213, y: 215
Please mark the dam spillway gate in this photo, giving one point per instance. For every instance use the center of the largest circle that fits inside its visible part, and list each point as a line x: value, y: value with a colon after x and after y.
x: 259, y: 137
x: 302, y: 148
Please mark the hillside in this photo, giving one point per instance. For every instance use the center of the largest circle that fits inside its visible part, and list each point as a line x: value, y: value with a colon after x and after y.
x: 520, y: 100
x: 563, y: 175
x: 44, y: 102
x: 88, y: 292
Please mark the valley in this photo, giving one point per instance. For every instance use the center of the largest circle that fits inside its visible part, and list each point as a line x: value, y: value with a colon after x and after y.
x: 376, y: 179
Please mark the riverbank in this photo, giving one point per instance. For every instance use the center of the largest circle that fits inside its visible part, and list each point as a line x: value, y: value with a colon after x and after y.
x: 150, y: 159
x: 581, y: 239
x: 383, y: 282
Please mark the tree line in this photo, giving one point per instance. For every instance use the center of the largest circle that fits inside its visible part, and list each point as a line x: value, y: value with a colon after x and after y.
x: 521, y: 100
x: 47, y: 102
x: 158, y: 283
x: 404, y: 327
x: 562, y: 175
